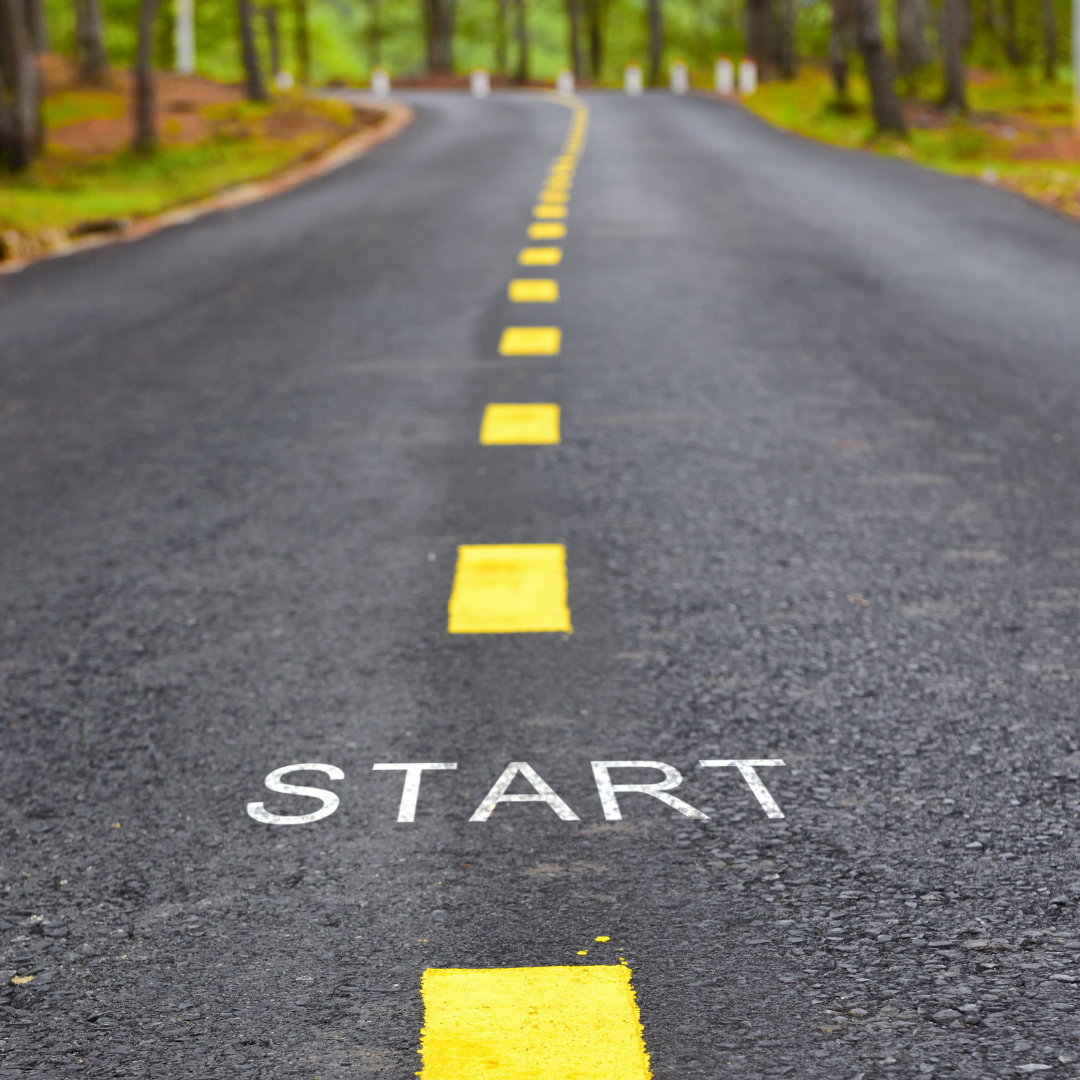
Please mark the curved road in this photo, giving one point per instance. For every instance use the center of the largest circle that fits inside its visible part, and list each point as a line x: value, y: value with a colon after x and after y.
x: 816, y: 488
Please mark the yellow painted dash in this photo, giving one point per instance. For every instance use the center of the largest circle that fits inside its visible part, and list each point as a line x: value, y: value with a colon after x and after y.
x: 549, y: 210
x: 551, y: 195
x: 540, y: 256
x: 533, y: 291
x: 530, y: 341
x: 544, y: 1023
x: 509, y: 589
x: 547, y: 230
x: 520, y: 425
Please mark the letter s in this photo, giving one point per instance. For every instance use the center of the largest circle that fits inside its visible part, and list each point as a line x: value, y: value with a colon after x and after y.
x: 329, y: 800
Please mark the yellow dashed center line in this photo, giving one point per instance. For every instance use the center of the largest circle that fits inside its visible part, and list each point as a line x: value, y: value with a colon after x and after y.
x: 547, y: 230
x: 540, y: 256
x: 509, y: 589
x: 530, y: 341
x: 520, y: 425
x: 533, y: 291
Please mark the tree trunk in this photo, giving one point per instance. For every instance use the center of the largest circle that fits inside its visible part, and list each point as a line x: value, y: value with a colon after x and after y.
x: 440, y: 36
x: 145, y: 126
x: 1049, y: 34
x: 375, y: 35
x: 39, y: 27
x: 254, y: 84
x: 953, y: 32
x: 785, y: 39
x: 758, y: 33
x: 90, y: 42
x: 302, y: 42
x: 884, y: 102
x: 911, y: 52
x: 500, y: 38
x: 269, y: 14
x: 656, y: 42
x: 839, y: 47
x: 572, y: 11
x: 522, y: 75
x: 594, y: 17
x: 21, y: 87
x: 1012, y: 44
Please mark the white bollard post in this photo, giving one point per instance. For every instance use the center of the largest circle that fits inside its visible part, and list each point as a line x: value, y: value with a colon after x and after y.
x: 725, y: 76
x: 283, y: 80
x: 632, y: 80
x: 184, y: 35
x: 479, y: 83
x: 747, y: 76
x: 380, y: 83
x: 564, y: 81
x: 680, y: 78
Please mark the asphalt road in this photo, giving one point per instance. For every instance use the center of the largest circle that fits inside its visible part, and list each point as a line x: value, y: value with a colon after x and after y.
x: 817, y: 491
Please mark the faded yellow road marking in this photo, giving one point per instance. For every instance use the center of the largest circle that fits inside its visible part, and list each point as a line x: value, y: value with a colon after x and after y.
x: 509, y: 589
x: 533, y: 290
x: 547, y: 230
x: 520, y: 425
x: 530, y: 341
x: 540, y: 256
x: 549, y: 210
x: 552, y: 195
x: 546, y: 1023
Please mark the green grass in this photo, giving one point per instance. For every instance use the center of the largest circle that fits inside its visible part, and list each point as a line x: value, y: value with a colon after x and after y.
x: 956, y: 145
x: 71, y: 106
x: 65, y: 188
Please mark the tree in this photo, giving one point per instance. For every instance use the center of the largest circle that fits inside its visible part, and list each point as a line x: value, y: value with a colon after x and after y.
x: 785, y: 40
x: 759, y: 33
x: 911, y: 51
x: 500, y: 38
x: 884, y: 102
x: 953, y: 38
x: 521, y: 77
x: 302, y: 41
x: 595, y: 11
x: 573, y: 23
x: 439, y: 28
x: 840, y: 45
x: 656, y: 41
x: 21, y: 128
x: 375, y: 34
x: 90, y: 56
x: 145, y: 126
x: 254, y: 84
x: 1049, y: 31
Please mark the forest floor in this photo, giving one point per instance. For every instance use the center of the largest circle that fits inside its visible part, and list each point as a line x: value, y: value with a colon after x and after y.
x: 1017, y: 135
x: 89, y: 181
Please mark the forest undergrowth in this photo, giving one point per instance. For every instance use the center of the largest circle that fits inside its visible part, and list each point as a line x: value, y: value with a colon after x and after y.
x: 1017, y: 133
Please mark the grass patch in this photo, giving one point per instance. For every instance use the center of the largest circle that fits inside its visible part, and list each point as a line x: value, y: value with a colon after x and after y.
x: 1017, y: 134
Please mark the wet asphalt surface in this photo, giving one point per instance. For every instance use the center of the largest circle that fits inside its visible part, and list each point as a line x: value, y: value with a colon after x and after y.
x: 817, y: 487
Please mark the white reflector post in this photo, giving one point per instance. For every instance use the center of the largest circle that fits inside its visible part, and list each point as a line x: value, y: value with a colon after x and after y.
x: 184, y: 35
x: 725, y: 75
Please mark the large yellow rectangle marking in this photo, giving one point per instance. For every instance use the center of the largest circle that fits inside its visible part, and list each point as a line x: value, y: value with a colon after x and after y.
x: 540, y: 256
x: 520, y: 425
x: 547, y: 230
x: 544, y: 1023
x: 533, y: 290
x: 509, y: 589
x: 549, y: 210
x: 530, y: 341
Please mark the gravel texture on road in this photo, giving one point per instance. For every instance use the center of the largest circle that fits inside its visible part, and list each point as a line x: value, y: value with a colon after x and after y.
x: 817, y: 488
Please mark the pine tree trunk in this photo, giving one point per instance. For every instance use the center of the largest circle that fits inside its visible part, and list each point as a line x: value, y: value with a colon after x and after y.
x: 758, y: 34
x: 375, y: 35
x: 785, y: 39
x: 572, y: 18
x: 440, y: 36
x: 953, y: 34
x: 21, y: 95
x: 911, y: 52
x: 884, y: 102
x: 839, y: 47
x: 594, y: 15
x: 302, y: 42
x: 656, y: 42
x: 500, y: 39
x: 254, y: 84
x: 39, y: 27
x: 145, y: 126
x: 1012, y: 45
x: 1049, y: 33
x: 521, y: 77
x: 90, y: 54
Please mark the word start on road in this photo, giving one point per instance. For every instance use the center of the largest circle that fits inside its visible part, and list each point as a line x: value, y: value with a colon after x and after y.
x: 542, y: 792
